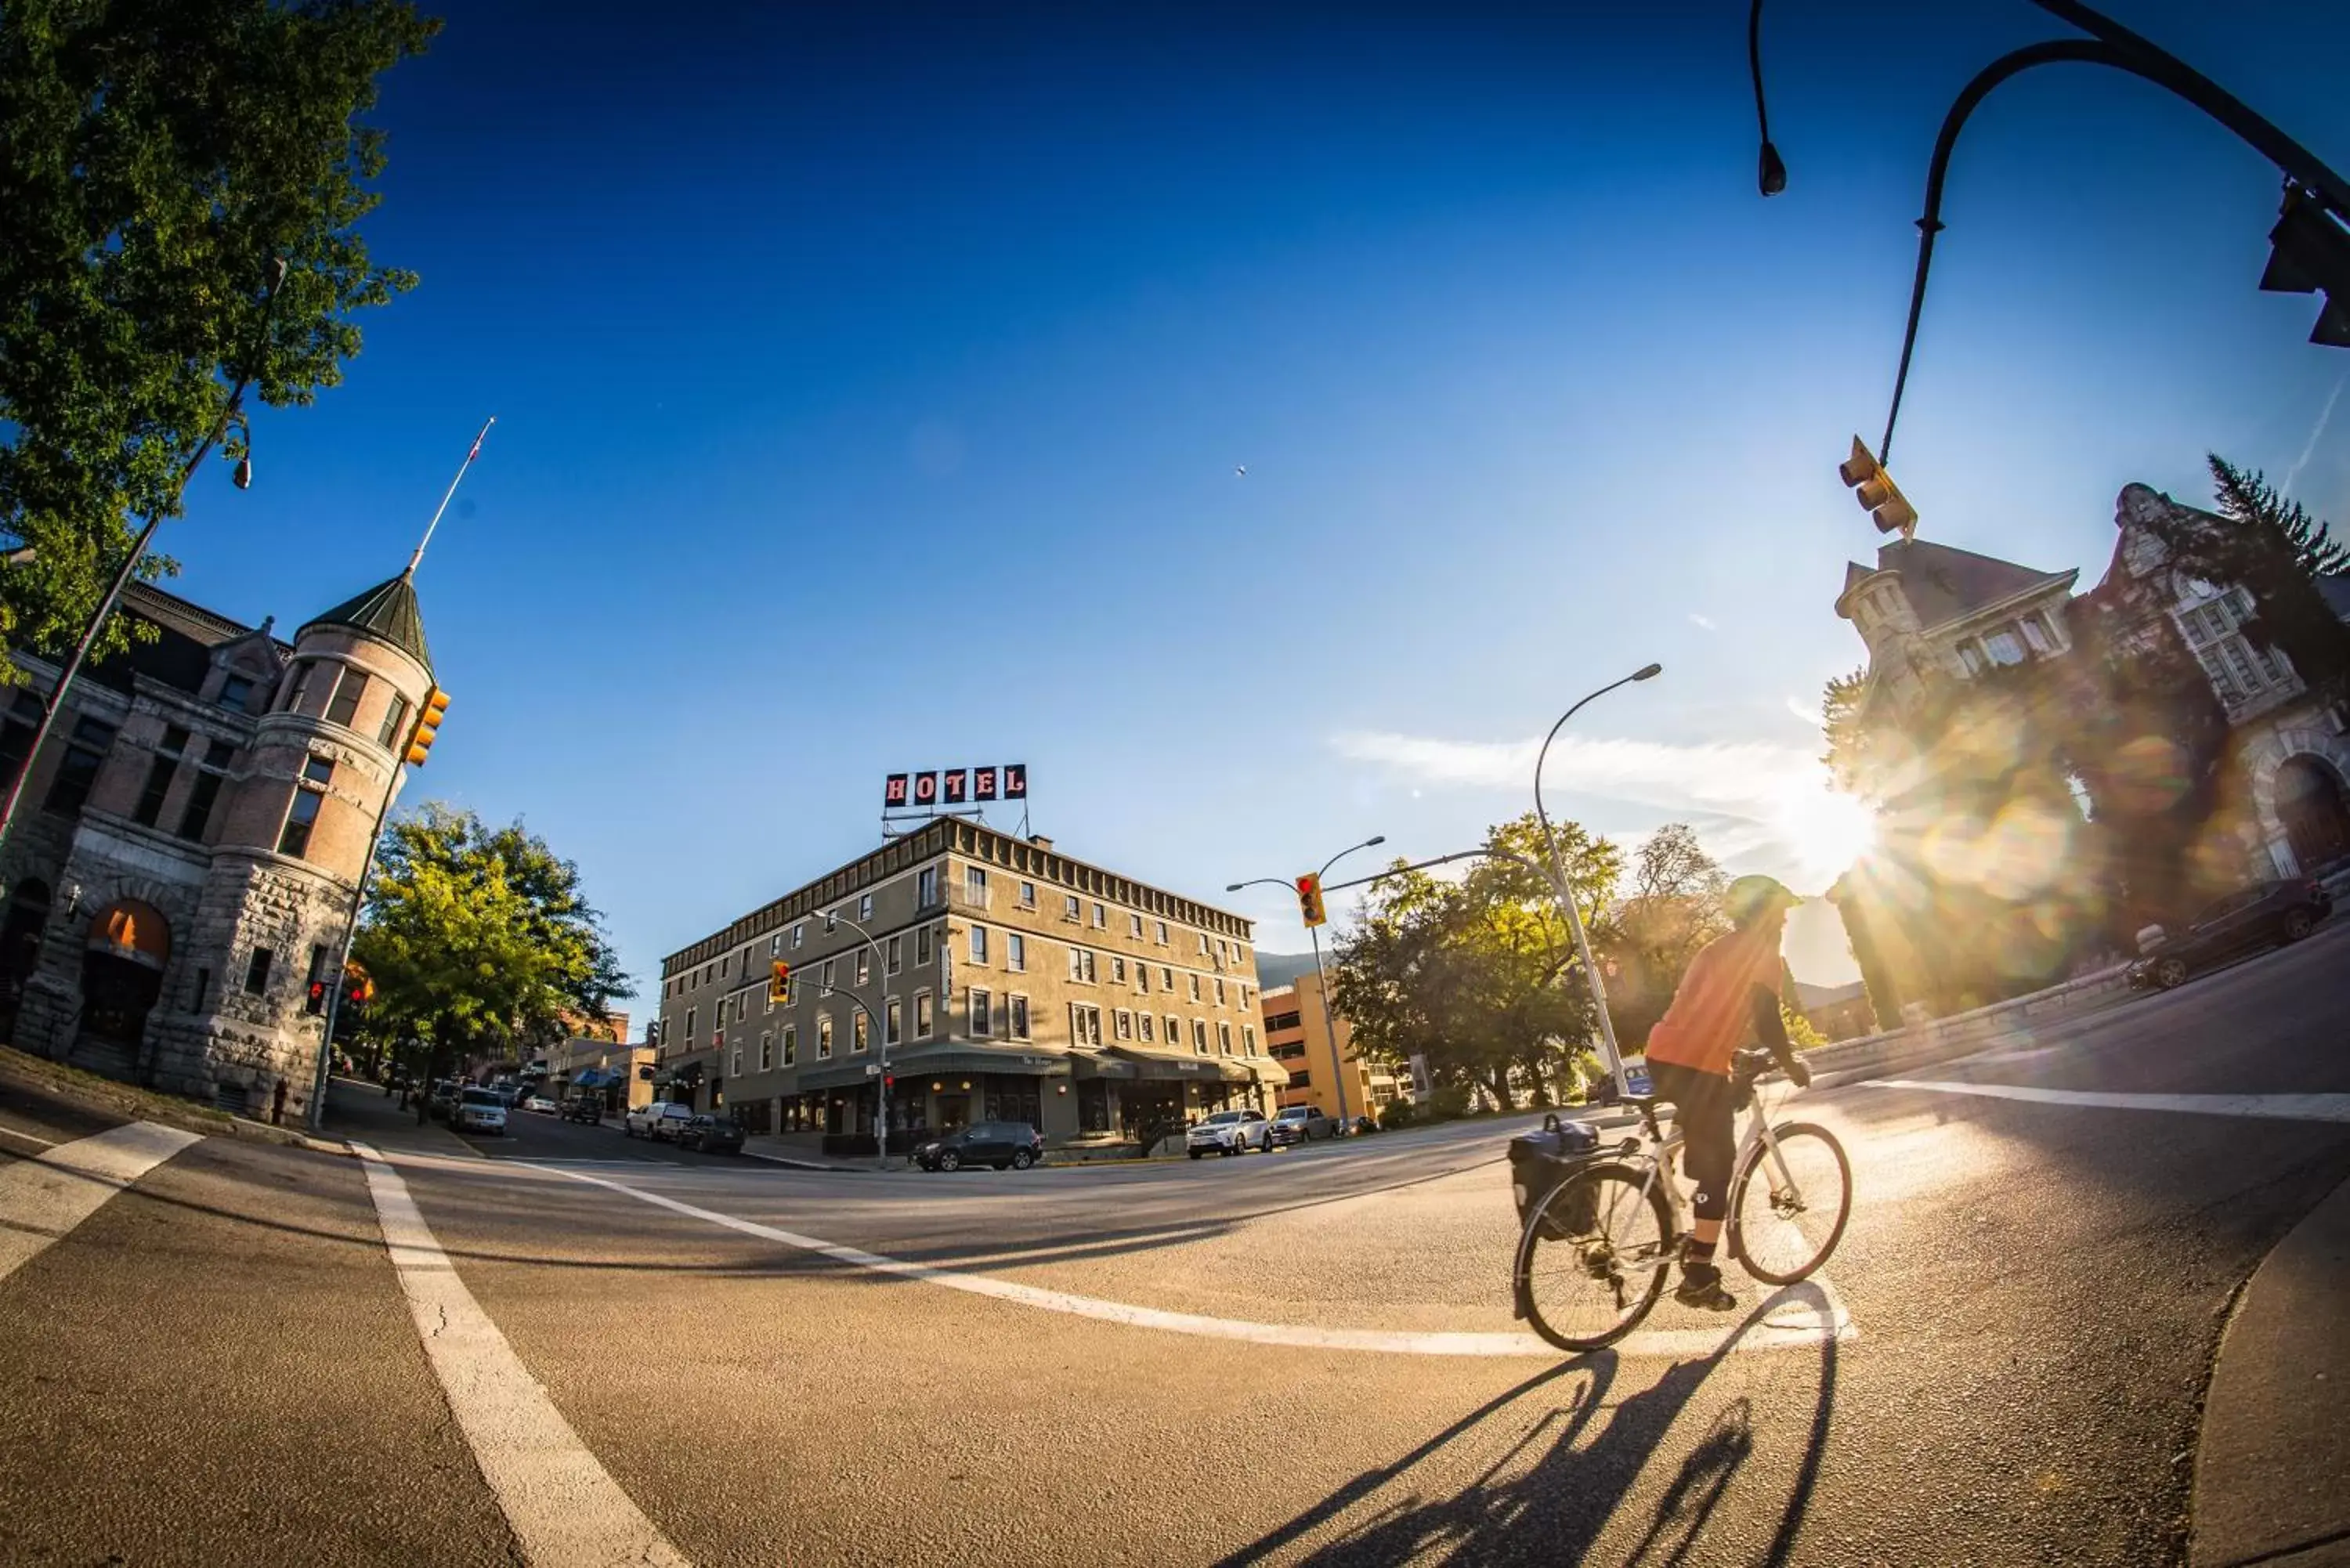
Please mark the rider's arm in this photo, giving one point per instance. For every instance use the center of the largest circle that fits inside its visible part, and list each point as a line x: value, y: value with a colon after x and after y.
x: 1770, y: 1028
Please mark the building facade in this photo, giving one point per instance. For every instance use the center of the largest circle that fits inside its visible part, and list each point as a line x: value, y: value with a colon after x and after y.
x: 619, y: 1073
x: 190, y: 841
x: 1296, y: 1036
x: 1000, y: 979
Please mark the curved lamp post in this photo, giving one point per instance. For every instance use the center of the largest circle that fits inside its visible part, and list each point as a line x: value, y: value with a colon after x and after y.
x: 880, y: 1036
x: 1322, y: 980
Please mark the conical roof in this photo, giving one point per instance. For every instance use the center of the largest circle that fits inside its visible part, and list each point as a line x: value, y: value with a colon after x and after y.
x: 388, y: 611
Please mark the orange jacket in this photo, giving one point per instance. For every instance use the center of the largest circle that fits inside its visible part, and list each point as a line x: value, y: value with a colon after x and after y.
x: 1713, y: 1011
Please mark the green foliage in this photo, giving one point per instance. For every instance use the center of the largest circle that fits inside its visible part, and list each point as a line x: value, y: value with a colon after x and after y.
x: 479, y: 939
x: 1478, y: 974
x: 1840, y: 721
x: 1398, y: 1113
x: 154, y: 156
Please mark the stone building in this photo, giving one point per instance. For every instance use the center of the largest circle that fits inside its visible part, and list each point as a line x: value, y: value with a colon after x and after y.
x: 190, y: 841
x: 1004, y: 980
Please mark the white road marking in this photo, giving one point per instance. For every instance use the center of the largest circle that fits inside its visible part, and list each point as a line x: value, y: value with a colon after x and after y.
x: 1795, y: 1323
x: 2280, y: 1107
x: 46, y: 1195
x: 564, y: 1507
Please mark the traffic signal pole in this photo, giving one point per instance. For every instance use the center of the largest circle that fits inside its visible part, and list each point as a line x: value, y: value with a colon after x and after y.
x: 880, y: 1039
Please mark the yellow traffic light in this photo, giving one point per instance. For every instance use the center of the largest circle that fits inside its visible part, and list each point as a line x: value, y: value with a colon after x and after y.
x: 427, y: 725
x: 1878, y: 494
x: 779, y: 982
x: 1309, y: 900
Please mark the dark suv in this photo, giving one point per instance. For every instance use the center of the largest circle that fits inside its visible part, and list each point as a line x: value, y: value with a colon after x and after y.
x: 584, y: 1108
x: 1016, y: 1145
x: 711, y: 1134
x: 2244, y: 923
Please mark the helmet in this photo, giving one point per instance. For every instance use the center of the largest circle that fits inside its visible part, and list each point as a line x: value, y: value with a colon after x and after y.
x: 1751, y: 898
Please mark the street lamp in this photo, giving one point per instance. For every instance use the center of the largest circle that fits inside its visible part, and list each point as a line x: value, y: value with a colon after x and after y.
x: 1566, y: 891
x: 881, y: 1038
x: 1322, y: 980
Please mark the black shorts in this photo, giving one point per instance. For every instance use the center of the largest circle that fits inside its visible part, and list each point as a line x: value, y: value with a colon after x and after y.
x: 1707, y: 1117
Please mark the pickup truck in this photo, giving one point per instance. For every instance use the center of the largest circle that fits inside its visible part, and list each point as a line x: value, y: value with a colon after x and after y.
x: 662, y: 1119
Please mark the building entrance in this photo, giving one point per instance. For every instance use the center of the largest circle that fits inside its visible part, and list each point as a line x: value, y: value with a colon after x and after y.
x: 2316, y: 821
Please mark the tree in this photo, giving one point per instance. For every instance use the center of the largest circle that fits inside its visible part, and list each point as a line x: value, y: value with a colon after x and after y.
x: 1674, y: 909
x: 1841, y: 722
x: 479, y: 939
x: 1479, y: 974
x: 155, y: 155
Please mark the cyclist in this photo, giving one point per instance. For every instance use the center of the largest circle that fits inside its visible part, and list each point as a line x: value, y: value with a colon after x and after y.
x: 1730, y: 995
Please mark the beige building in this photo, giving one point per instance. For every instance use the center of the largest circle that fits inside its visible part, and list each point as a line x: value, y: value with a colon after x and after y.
x: 1295, y: 1036
x: 621, y: 1072
x: 1003, y: 981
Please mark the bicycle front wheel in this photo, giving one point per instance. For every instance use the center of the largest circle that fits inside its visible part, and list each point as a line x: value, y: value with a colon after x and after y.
x: 1788, y: 1210
x: 1592, y: 1259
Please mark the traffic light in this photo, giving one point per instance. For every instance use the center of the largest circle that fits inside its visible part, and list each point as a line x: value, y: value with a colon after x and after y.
x: 427, y: 725
x: 358, y: 986
x: 889, y: 1081
x: 1878, y: 494
x: 1309, y: 900
x: 2312, y: 256
x: 317, y: 995
x: 779, y: 982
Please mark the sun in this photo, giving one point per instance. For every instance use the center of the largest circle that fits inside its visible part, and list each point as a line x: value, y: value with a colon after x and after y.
x: 1826, y: 830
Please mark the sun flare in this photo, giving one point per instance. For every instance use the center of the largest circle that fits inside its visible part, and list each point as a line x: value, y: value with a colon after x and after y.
x: 1826, y: 830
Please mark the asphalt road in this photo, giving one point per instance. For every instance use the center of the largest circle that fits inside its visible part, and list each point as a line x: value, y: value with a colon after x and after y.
x: 1224, y: 1362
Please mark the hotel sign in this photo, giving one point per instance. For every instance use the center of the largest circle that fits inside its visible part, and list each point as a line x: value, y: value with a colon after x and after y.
x: 954, y: 787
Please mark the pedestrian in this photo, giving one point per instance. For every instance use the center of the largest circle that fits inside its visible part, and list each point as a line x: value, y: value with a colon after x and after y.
x: 278, y: 1104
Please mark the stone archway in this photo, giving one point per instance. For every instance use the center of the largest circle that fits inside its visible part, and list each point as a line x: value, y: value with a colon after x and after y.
x: 2310, y: 805
x: 128, y: 944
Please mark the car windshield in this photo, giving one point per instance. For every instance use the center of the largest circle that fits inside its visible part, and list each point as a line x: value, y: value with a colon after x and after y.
x: 1223, y: 1116
x: 482, y: 1097
x: 1293, y: 1113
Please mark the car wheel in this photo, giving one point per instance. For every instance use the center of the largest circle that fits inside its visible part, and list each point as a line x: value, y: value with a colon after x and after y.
x: 950, y: 1161
x: 2170, y: 972
x: 2299, y: 924
x: 1195, y: 1153
x: 1229, y: 1150
x: 1021, y: 1159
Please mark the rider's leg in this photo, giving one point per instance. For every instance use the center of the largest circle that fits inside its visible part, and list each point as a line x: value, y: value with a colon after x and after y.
x: 1708, y: 1123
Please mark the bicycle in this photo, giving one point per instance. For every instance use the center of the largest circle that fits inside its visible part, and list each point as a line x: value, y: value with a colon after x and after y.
x: 1594, y: 1251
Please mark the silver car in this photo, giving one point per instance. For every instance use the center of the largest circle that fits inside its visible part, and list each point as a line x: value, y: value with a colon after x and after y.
x: 1229, y: 1133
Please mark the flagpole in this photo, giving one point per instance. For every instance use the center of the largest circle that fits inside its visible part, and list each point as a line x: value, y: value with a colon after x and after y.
x: 417, y: 558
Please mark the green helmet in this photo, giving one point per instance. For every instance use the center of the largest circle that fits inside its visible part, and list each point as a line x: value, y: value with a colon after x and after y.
x: 1751, y: 898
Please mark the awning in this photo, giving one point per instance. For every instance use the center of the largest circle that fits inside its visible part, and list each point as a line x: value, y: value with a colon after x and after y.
x: 966, y: 1057
x: 1164, y: 1067
x: 839, y: 1075
x: 1088, y: 1066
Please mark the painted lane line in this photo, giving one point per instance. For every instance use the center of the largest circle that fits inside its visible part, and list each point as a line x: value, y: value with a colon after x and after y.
x: 1795, y: 1322
x: 564, y: 1507
x: 2280, y: 1107
x: 46, y: 1195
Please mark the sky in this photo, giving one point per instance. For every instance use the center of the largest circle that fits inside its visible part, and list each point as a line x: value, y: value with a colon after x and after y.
x: 873, y: 388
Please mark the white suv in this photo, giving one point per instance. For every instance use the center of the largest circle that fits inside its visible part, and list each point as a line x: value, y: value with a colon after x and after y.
x: 479, y: 1110
x: 1229, y: 1132
x: 662, y: 1119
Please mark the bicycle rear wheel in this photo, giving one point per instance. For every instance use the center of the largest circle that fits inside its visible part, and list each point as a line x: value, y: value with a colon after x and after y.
x: 1592, y: 1259
x: 1787, y: 1214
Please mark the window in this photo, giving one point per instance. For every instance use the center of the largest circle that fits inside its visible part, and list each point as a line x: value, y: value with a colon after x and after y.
x: 1174, y: 1031
x: 1220, y: 990
x: 345, y: 703
x: 313, y: 990
x: 295, y: 836
x: 1069, y: 907
x: 893, y: 1021
x: 979, y: 944
x: 975, y: 885
x: 1116, y: 971
x: 799, y: 935
x: 921, y: 947
x: 78, y: 770
x: 1016, y: 951
x: 865, y: 907
x: 791, y: 1044
x: 825, y: 976
x: 395, y: 722
x: 2035, y: 636
x: 1199, y: 1036
x: 824, y: 1036
x: 1195, y: 986
x: 1972, y: 657
x: 1101, y: 918
x: 1158, y: 933
x: 1085, y: 1024
x: 1081, y: 965
x: 2004, y: 648
x: 897, y: 954
x: 1142, y: 1022
x: 1134, y: 927
x: 831, y: 922
x: 690, y: 1014
x: 1027, y: 895
x: 922, y: 1015
x: 198, y: 813
x: 203, y: 988
x: 1015, y: 1017
x: 864, y: 965
x: 297, y: 683
x: 1248, y: 1040
x: 740, y: 1000
x: 766, y: 1049
x: 236, y: 692
x: 256, y: 972
x: 1122, y: 1024
x: 1224, y: 1038
x: 160, y: 774
x: 983, y: 1013
x: 1167, y: 979
x: 926, y: 887
x: 1142, y: 977
x: 861, y: 1032
x: 776, y: 946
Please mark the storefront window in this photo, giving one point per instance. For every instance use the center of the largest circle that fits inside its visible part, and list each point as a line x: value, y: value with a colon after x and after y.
x: 1095, y: 1105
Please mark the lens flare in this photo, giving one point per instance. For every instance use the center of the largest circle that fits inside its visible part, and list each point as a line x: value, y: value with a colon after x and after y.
x: 1826, y: 830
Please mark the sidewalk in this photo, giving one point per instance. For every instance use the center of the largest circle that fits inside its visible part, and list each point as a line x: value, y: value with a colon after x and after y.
x: 2270, y: 1464
x: 776, y: 1151
x: 361, y: 1110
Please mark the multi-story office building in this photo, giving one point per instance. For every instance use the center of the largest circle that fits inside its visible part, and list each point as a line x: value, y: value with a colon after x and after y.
x: 1314, y: 1065
x: 181, y: 870
x: 1002, y: 980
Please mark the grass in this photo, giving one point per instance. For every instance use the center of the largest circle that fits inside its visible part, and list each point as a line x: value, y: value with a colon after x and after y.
x: 129, y: 1099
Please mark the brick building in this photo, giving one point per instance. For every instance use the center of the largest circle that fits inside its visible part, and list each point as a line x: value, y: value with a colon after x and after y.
x: 1007, y: 981
x: 1316, y: 1064
x: 190, y: 840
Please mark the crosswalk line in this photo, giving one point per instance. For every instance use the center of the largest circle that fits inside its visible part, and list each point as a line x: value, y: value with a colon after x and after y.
x: 43, y: 1197
x: 566, y: 1509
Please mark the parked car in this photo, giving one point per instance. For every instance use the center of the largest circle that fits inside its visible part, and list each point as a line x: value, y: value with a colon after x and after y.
x: 1300, y: 1124
x: 1013, y: 1145
x: 441, y: 1099
x: 1227, y: 1133
x: 711, y: 1134
x: 480, y: 1111
x: 584, y: 1108
x: 539, y: 1105
x: 2241, y: 924
x: 662, y: 1119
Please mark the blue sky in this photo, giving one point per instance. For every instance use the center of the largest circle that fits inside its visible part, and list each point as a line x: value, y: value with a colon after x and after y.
x: 870, y: 391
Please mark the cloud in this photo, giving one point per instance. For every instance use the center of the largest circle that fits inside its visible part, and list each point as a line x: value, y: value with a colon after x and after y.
x: 1701, y: 623
x: 2309, y: 447
x: 1809, y: 712
x: 1736, y: 777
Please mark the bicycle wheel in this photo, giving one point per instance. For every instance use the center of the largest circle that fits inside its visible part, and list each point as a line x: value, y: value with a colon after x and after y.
x: 1787, y: 1214
x: 1592, y: 1259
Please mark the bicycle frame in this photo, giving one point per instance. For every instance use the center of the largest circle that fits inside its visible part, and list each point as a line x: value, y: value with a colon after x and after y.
x: 1657, y: 1149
